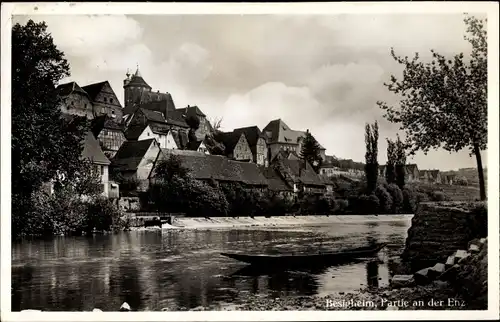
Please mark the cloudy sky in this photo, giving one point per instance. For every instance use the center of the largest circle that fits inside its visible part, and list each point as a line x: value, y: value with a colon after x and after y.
x: 323, y: 73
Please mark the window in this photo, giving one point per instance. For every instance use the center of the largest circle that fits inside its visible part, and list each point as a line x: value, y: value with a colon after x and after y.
x: 111, y: 100
x: 104, y: 99
x: 102, y: 170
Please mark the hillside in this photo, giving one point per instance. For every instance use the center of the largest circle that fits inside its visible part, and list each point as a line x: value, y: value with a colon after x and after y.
x: 470, y: 174
x: 456, y: 193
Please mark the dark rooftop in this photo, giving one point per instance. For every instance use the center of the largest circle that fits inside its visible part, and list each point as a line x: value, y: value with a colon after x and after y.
x: 130, y: 154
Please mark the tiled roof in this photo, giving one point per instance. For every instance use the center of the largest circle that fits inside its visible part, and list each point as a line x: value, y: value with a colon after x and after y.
x: 274, y: 180
x: 295, y: 169
x: 190, y: 110
x: 92, y: 150
x: 137, y: 80
x: 134, y: 131
x: 130, y: 154
x: 152, y: 115
x: 326, y: 179
x: 229, y: 139
x: 104, y: 122
x: 68, y: 88
x: 282, y: 133
x: 94, y: 89
x: 204, y: 167
x: 176, y: 118
x: 193, y: 145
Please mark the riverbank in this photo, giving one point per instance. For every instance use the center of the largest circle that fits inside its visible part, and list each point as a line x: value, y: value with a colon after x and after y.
x: 230, y: 222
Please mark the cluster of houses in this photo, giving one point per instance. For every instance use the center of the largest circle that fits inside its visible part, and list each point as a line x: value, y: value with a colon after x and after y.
x: 126, y: 142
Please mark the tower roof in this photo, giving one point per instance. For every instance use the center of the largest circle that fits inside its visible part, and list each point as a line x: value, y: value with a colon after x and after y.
x: 137, y: 80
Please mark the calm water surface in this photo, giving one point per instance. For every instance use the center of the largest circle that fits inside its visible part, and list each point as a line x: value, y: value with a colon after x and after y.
x: 177, y: 269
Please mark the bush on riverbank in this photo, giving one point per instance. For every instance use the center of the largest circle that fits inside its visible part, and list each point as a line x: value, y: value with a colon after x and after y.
x: 67, y: 213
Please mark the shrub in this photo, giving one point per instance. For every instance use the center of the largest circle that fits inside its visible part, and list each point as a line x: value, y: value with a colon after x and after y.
x: 324, y: 206
x: 410, y: 200
x: 422, y: 197
x: 308, y: 204
x: 340, y: 206
x: 368, y: 204
x: 203, y: 200
x: 102, y: 215
x: 439, y: 196
x: 278, y: 205
x: 461, y: 181
x: 385, y: 199
x: 397, y: 198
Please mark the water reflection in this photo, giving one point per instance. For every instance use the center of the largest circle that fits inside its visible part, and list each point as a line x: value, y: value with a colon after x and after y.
x: 372, y: 273
x: 171, y: 269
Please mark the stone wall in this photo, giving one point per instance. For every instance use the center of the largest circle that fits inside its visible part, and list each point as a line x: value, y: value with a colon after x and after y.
x: 440, y: 228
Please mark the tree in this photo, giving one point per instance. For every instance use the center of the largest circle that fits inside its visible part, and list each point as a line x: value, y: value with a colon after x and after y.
x: 400, y: 158
x: 371, y: 156
x: 43, y: 143
x: 444, y: 102
x: 390, y: 171
x: 172, y: 166
x: 193, y: 122
x: 311, y: 151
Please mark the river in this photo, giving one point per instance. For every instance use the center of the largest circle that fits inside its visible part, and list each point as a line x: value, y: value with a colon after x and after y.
x: 174, y: 269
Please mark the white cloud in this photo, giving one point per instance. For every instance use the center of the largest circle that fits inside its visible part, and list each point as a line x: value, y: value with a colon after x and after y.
x: 88, y: 35
x: 407, y: 33
x: 295, y: 105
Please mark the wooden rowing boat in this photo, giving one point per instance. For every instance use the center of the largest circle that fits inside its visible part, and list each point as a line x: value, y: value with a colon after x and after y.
x: 306, y: 259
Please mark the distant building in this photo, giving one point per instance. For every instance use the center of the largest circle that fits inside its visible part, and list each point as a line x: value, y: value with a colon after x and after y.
x: 277, y: 184
x: 448, y: 179
x: 135, y: 159
x: 109, y: 134
x: 146, y: 124
x: 280, y: 136
x: 412, y: 174
x: 236, y: 146
x: 93, y: 152
x: 300, y: 175
x: 198, y: 146
x: 257, y: 143
x: 104, y: 100
x: 205, y: 127
x: 331, y: 170
x: 430, y: 176
x: 75, y: 101
x: 90, y: 101
x: 333, y: 167
x: 142, y: 106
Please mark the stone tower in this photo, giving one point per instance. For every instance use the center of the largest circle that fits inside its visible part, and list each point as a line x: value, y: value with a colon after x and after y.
x: 134, y: 86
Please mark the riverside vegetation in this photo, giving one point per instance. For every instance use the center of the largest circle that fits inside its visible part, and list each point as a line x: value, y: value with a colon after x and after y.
x: 47, y: 147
